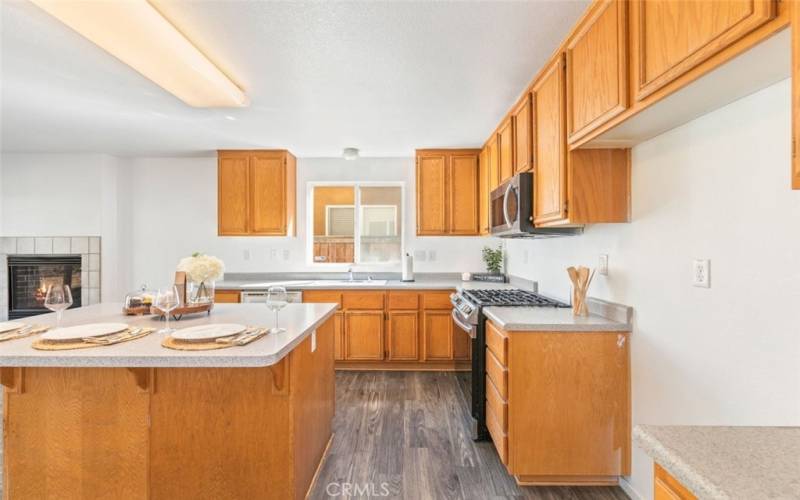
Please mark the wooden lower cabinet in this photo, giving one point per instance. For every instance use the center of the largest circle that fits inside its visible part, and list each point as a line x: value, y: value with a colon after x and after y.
x: 395, y: 330
x: 555, y: 429
x: 227, y: 296
x: 666, y: 487
x: 437, y: 331
x: 403, y: 335
x: 363, y: 335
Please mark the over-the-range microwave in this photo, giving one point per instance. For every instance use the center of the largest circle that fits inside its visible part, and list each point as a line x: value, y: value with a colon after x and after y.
x: 511, y: 211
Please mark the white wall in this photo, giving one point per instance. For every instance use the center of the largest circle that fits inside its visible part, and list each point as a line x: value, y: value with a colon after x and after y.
x: 67, y: 195
x: 175, y: 215
x: 715, y: 188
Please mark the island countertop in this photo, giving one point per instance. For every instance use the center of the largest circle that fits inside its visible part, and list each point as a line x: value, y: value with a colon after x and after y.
x: 300, y: 321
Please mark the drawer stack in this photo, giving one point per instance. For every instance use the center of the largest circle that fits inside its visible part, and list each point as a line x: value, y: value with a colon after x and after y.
x: 497, y: 388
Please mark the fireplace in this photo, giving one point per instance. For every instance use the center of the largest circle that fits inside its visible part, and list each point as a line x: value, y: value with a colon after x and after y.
x: 30, y: 276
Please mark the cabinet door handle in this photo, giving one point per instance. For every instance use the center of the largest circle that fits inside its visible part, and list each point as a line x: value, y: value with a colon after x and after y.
x: 621, y: 341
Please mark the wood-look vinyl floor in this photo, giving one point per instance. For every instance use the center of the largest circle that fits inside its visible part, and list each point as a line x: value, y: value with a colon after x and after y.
x: 406, y: 435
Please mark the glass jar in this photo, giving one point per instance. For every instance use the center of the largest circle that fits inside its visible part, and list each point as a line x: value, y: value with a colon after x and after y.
x: 200, y: 293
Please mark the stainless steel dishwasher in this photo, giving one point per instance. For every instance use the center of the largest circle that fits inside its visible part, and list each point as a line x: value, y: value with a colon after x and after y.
x: 261, y: 297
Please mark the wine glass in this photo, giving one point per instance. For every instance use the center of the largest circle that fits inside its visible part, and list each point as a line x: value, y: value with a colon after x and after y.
x: 276, y: 300
x: 167, y: 299
x: 58, y: 298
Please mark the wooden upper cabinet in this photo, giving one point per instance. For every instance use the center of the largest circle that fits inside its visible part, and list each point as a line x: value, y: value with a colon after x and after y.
x: 447, y: 192
x: 267, y: 194
x: 550, y: 185
x: 522, y: 119
x: 494, y: 162
x: 597, y: 68
x: 431, y: 194
x: 795, y: 97
x: 505, y: 145
x: 483, y: 192
x: 256, y: 193
x: 669, y: 38
x: 233, y: 195
x: 463, y: 184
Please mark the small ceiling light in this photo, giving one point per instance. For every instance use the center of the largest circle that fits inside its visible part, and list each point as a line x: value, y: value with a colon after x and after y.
x: 350, y: 153
x: 137, y: 34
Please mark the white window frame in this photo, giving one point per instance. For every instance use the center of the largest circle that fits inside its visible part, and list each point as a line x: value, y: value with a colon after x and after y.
x: 310, y: 186
x: 361, y: 215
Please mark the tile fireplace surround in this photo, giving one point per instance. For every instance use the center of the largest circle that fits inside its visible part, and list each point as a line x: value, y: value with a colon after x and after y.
x: 88, y: 247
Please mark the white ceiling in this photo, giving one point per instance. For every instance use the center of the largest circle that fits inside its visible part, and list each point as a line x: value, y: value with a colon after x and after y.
x: 385, y: 77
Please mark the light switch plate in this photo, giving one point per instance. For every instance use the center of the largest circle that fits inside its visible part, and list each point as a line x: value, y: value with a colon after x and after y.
x: 602, y: 265
x: 419, y: 255
x: 286, y: 255
x: 246, y: 254
x: 701, y: 273
x: 432, y: 255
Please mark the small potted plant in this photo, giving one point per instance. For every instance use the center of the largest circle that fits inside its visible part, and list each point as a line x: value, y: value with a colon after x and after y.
x: 493, y: 258
x: 202, y: 272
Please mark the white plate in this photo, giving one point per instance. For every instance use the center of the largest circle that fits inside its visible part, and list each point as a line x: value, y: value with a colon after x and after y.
x: 81, y: 331
x: 208, y: 332
x: 10, y: 325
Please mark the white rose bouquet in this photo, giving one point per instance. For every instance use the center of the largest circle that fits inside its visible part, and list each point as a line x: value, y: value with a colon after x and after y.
x: 202, y: 271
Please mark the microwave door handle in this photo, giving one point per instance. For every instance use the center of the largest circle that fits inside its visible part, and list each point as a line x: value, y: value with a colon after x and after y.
x: 505, y: 204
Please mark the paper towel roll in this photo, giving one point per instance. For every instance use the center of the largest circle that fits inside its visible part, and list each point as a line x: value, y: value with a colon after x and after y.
x: 408, y: 268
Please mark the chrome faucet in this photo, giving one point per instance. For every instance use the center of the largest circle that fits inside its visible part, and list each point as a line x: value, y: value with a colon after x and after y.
x: 350, y: 272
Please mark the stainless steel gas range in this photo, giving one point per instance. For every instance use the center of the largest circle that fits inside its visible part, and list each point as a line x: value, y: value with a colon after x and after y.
x: 468, y: 315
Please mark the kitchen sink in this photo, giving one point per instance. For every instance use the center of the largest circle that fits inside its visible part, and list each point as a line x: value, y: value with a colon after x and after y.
x: 349, y: 283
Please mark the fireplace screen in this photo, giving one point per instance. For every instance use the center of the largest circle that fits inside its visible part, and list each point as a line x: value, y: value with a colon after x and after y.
x: 30, y: 276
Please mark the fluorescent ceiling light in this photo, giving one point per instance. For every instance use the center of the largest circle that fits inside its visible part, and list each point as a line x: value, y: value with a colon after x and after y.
x: 137, y: 34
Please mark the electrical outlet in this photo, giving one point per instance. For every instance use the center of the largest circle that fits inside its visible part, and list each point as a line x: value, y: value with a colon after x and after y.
x: 432, y: 255
x: 273, y: 253
x: 701, y: 273
x: 286, y: 255
x: 246, y: 254
x: 419, y: 255
x: 602, y: 265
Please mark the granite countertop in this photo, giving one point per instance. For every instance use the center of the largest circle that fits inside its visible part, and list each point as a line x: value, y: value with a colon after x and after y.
x: 604, y: 317
x: 300, y: 321
x: 727, y: 462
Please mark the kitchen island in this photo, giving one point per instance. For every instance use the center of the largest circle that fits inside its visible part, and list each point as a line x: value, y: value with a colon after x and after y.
x: 136, y: 420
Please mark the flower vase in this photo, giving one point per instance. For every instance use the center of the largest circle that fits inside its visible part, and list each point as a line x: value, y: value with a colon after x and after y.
x: 200, y: 293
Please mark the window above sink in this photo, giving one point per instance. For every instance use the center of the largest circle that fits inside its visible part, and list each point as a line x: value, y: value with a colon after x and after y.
x: 355, y: 223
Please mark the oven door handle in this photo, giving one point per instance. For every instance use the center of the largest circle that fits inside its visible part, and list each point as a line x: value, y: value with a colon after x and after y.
x: 470, y: 329
x: 505, y: 204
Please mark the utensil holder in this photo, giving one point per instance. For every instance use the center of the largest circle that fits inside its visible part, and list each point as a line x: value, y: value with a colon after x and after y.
x: 579, y: 307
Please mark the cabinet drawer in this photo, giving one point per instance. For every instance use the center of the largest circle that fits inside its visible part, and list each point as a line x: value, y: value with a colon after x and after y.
x: 226, y: 296
x: 499, y: 438
x: 498, y: 373
x: 437, y: 300
x: 362, y: 300
x: 403, y: 300
x: 497, y: 405
x: 323, y: 296
x: 497, y: 342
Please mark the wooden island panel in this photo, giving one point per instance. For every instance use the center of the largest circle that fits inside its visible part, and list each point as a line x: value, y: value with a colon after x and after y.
x: 168, y: 433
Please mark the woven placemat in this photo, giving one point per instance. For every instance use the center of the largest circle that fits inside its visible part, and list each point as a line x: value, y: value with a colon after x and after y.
x: 13, y: 335
x: 57, y: 345
x: 180, y: 345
